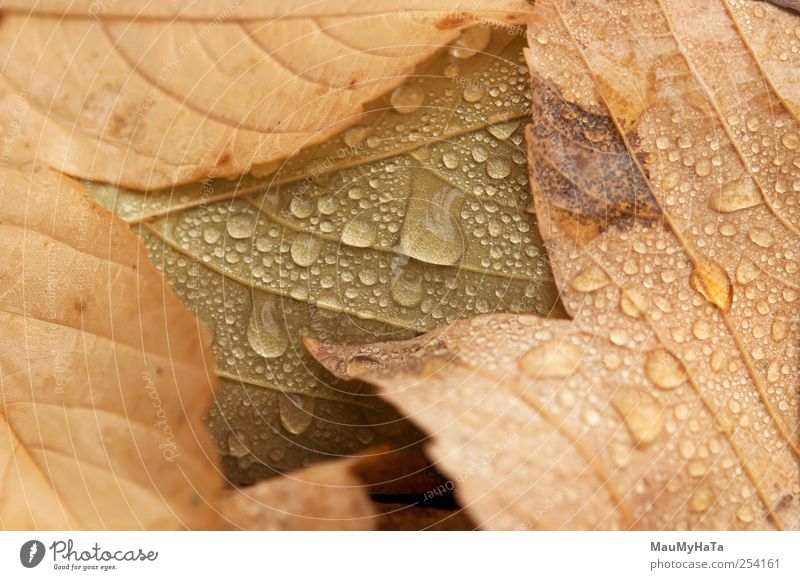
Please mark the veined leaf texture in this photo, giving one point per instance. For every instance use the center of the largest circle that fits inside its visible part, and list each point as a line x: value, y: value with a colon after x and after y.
x: 412, y: 218
x: 665, y: 160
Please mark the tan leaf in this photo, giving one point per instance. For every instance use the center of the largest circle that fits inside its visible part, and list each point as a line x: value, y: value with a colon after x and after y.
x: 150, y: 94
x: 325, y: 496
x: 665, y: 174
x: 411, y: 219
x: 101, y: 369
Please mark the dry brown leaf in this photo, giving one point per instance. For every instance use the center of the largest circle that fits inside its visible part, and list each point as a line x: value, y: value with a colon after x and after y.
x: 102, y: 372
x: 325, y: 496
x: 666, y: 163
x: 150, y: 94
x: 104, y: 388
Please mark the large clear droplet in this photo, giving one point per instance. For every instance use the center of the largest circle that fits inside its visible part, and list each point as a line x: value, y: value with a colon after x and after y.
x: 266, y: 331
x: 431, y: 229
x: 297, y: 412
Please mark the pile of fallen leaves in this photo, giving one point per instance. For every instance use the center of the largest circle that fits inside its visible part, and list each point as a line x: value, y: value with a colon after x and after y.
x: 485, y: 265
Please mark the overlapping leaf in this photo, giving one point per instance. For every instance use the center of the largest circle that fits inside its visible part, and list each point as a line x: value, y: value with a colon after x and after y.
x: 149, y: 94
x: 666, y: 164
x: 407, y: 221
x: 102, y: 381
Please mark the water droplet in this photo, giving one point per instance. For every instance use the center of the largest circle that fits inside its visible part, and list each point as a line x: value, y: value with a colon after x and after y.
x: 297, y: 412
x: 241, y: 225
x: 542, y: 37
x: 736, y: 195
x: 746, y: 271
x: 472, y: 41
x: 355, y: 135
x: 633, y: 301
x: 266, y: 331
x: 643, y: 415
x: 664, y: 369
x: 701, y: 500
x: 712, y: 281
x: 662, y: 142
x: 365, y: 435
x: 360, y: 232
x: 211, y: 235
x: 780, y: 329
x: 407, y: 98
x: 790, y: 140
x: 554, y: 359
x: 431, y: 229
x: 591, y: 279
x: 450, y: 70
x: 703, y: 167
x: 774, y: 371
x: 237, y: 446
x: 498, y: 167
x: 697, y: 468
x: 761, y: 237
x: 327, y: 205
x: 473, y: 92
x: 407, y: 289
x: 301, y: 207
x: 368, y: 276
x: 503, y: 131
x: 480, y: 153
x: 618, y: 336
x: 305, y: 249
x: 701, y: 329
x: 746, y: 514
x: 450, y: 159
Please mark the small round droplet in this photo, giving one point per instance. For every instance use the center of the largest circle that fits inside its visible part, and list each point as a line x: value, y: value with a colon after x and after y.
x: 450, y: 159
x: 703, y: 167
x: 297, y: 412
x: 360, y: 232
x: 266, y: 332
x: 498, y: 168
x: 301, y: 207
x: 554, y: 359
x: 790, y: 141
x: 407, y: 98
x: 407, y: 289
x: 590, y: 279
x: 664, y: 369
x: 241, y: 225
x: 642, y: 414
x: 472, y: 41
x: 305, y: 249
x: 211, y: 235
x: 473, y: 92
x: 701, y: 500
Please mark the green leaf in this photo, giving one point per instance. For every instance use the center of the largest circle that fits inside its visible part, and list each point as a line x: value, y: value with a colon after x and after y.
x: 411, y: 219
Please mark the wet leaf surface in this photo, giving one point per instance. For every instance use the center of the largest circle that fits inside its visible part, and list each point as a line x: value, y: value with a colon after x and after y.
x: 666, y: 164
x: 413, y: 218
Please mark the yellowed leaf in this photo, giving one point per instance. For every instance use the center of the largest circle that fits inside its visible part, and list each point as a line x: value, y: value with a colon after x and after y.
x: 102, y: 371
x: 150, y: 94
x: 665, y: 172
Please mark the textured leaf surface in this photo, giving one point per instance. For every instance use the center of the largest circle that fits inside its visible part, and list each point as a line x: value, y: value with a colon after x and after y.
x: 666, y: 166
x: 149, y: 94
x: 101, y: 369
x: 408, y: 221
